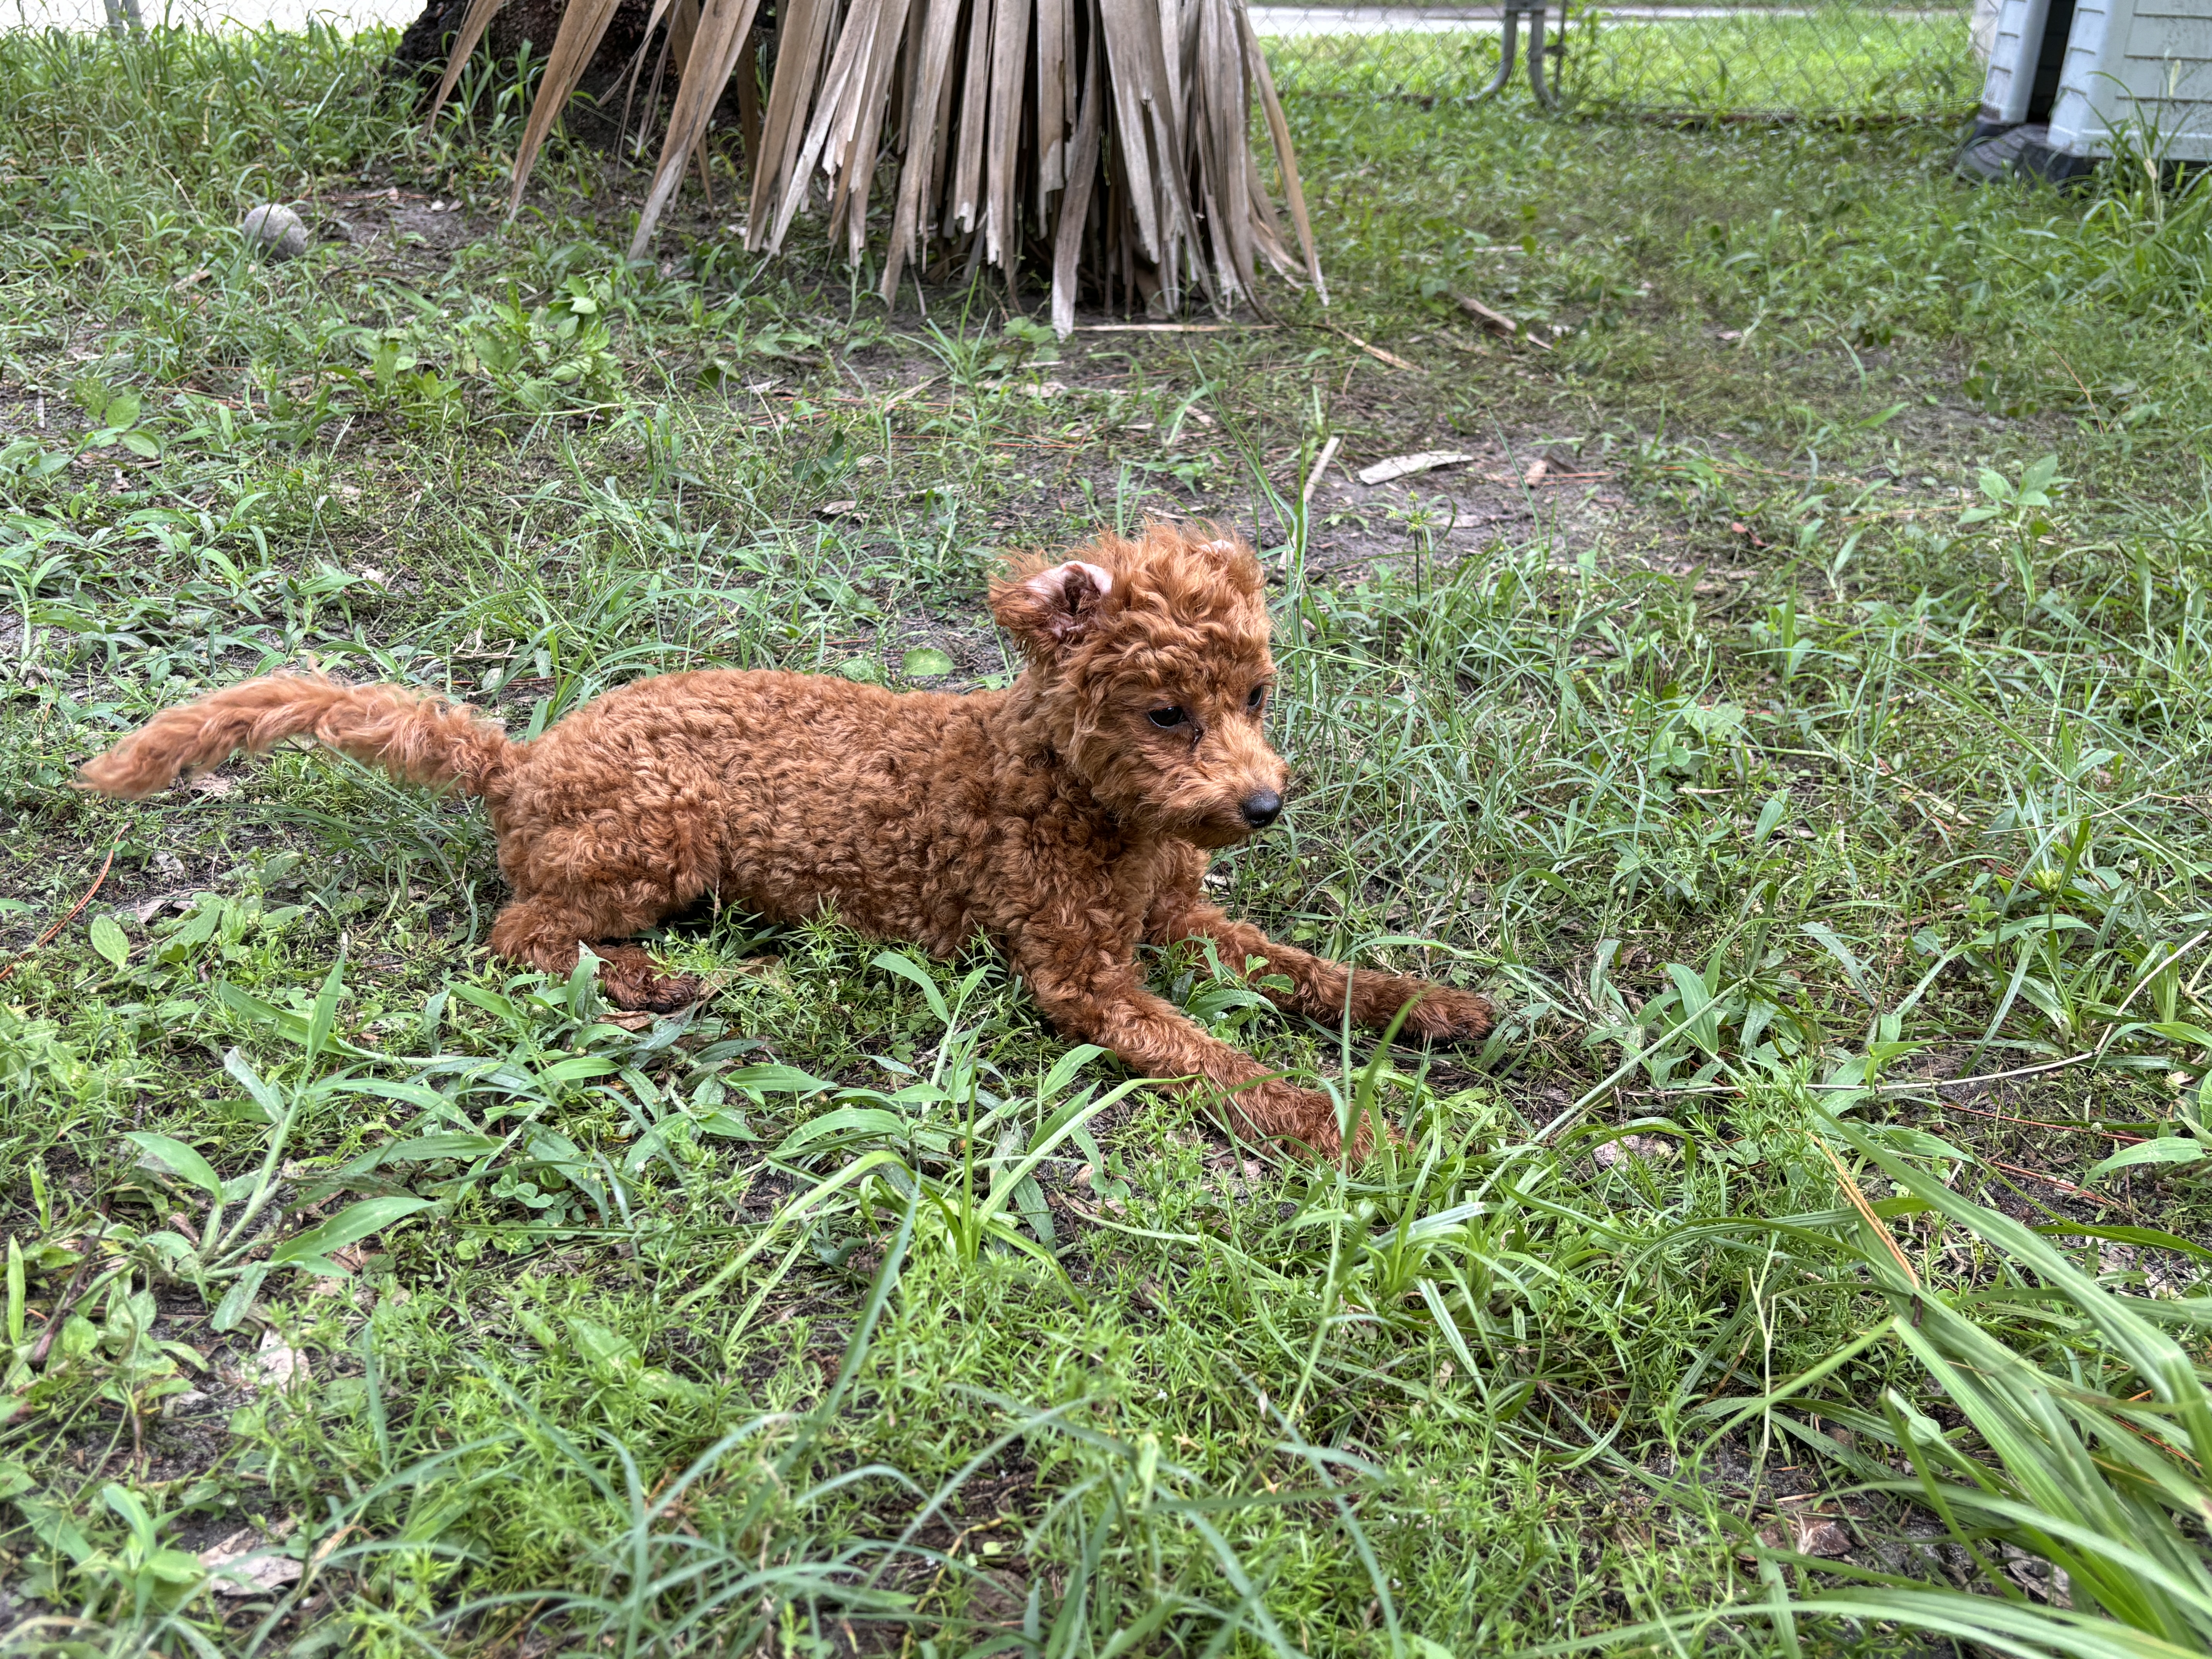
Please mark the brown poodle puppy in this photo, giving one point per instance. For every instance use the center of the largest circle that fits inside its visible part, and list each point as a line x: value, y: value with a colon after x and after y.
x: 1067, y: 817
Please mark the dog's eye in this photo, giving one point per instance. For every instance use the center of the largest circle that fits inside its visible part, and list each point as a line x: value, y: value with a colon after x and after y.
x: 1259, y: 697
x: 1167, y: 719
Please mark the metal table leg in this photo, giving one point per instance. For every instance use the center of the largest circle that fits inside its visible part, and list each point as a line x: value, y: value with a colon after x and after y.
x: 1509, y: 23
x: 1545, y: 96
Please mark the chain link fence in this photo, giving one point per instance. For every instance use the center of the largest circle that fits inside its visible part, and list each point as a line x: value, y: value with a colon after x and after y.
x: 1820, y: 60
x: 1699, y: 59
x: 348, y: 16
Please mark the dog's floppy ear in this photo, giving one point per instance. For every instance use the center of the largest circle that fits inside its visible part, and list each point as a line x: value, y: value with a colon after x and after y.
x: 1050, y: 608
x: 1232, y: 556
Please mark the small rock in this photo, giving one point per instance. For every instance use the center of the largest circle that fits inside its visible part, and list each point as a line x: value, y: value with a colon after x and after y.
x: 1405, y: 466
x: 1818, y: 1536
x: 2040, y: 1579
x: 276, y: 230
x: 1632, y: 1146
x: 276, y: 1365
x: 235, y: 1575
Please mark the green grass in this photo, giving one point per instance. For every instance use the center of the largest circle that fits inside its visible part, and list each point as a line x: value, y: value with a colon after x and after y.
x: 1838, y: 60
x: 1830, y: 717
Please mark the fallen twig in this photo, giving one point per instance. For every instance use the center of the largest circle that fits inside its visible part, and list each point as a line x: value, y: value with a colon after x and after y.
x: 898, y: 398
x: 1910, y: 1085
x: 2045, y: 1123
x: 1376, y: 352
x: 48, y: 936
x: 1320, y: 467
x: 63, y: 1303
x: 1858, y: 1201
x: 2053, y: 1181
x: 1496, y: 321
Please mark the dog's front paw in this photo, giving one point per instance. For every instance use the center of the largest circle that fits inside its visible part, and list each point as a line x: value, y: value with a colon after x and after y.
x: 1327, y: 1143
x: 1443, y: 1011
x: 1301, y: 1121
x: 629, y: 979
x: 1286, y: 1114
x: 657, y: 993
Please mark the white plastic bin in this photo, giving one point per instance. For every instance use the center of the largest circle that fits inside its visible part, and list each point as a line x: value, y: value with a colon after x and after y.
x: 2142, y: 68
x: 2067, y: 78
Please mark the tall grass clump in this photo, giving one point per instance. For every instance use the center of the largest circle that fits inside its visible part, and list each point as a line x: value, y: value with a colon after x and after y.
x: 227, y: 116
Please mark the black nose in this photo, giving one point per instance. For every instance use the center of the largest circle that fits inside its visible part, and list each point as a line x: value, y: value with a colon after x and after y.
x: 1261, y: 808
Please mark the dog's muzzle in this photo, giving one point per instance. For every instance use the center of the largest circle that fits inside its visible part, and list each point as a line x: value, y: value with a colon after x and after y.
x: 1261, y: 808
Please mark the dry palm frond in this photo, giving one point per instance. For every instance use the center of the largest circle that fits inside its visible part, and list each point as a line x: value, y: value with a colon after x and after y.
x: 1101, y: 138
x: 583, y: 22
x: 681, y: 27
x: 1105, y: 137
x: 473, y: 22
x: 723, y: 29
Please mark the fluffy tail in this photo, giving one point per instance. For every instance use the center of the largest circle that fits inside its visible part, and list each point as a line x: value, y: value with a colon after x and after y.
x: 417, y: 737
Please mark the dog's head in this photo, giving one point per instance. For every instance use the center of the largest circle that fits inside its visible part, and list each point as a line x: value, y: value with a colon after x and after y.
x: 1152, y: 666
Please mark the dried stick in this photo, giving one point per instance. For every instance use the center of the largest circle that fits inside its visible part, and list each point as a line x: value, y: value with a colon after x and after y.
x: 1859, y: 1202
x: 1320, y: 467
x: 47, y: 938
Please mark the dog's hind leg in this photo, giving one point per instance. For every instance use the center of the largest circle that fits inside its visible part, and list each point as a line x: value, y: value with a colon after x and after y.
x: 544, y: 932
x: 1322, y: 989
x: 597, y: 850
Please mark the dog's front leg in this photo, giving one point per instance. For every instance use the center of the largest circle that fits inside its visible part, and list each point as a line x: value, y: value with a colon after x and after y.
x: 1320, y: 987
x: 1107, y: 1003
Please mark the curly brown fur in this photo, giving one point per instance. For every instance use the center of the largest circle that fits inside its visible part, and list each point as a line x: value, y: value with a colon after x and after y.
x: 1068, y: 818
